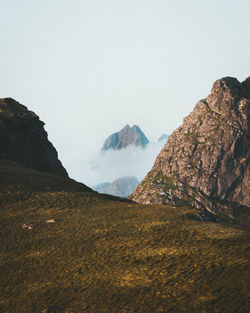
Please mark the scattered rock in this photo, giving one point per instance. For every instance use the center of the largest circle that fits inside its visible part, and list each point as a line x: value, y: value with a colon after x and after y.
x: 50, y: 221
x: 26, y: 226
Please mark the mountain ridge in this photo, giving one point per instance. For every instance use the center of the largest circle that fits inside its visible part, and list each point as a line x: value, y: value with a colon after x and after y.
x: 65, y: 248
x: 127, y: 136
x: 120, y: 187
x: 206, y: 160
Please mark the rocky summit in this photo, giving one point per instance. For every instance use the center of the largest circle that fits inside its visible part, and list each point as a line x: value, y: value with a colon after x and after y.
x: 126, y: 137
x: 206, y: 160
x: 24, y: 140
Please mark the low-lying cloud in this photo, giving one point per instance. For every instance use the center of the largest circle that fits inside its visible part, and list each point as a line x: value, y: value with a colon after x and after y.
x: 109, y: 165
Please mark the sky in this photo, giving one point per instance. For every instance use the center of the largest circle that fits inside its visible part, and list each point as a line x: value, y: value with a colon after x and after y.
x: 89, y: 67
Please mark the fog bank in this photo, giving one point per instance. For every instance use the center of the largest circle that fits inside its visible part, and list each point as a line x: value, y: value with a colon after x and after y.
x: 93, y: 167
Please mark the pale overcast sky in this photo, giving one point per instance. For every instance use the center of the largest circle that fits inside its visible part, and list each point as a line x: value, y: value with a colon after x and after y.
x: 89, y: 67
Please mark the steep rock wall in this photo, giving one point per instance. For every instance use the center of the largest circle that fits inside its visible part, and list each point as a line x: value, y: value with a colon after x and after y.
x: 24, y: 140
x: 206, y: 160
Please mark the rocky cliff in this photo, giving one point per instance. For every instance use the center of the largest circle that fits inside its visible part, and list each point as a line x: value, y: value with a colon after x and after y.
x: 24, y: 140
x: 120, y: 187
x: 126, y: 137
x: 206, y: 160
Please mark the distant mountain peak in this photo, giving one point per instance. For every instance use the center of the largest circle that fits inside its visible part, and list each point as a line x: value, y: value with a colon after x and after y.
x: 120, y: 187
x: 127, y: 136
x: 164, y: 137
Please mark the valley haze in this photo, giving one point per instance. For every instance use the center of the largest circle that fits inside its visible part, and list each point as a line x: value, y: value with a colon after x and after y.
x: 66, y: 248
x: 73, y: 73
x: 88, y: 68
x: 103, y: 166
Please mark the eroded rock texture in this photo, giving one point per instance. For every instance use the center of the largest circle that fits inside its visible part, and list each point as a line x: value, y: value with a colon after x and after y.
x: 126, y: 137
x: 24, y: 140
x: 206, y: 160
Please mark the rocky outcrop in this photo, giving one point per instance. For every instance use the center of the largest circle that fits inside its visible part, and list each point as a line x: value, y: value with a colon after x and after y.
x: 206, y: 160
x: 24, y: 140
x: 120, y: 187
x: 126, y: 137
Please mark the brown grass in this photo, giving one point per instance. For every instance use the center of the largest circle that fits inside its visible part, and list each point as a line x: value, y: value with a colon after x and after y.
x: 103, y: 255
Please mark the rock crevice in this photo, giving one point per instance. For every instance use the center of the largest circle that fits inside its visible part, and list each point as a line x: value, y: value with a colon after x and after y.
x: 206, y: 158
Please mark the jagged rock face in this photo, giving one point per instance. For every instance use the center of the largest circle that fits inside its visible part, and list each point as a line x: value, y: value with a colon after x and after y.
x: 24, y: 140
x: 126, y: 137
x: 206, y: 160
x: 120, y: 187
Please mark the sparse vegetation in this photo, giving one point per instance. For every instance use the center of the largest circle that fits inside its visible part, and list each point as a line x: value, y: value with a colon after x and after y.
x: 167, y: 182
x: 102, y: 255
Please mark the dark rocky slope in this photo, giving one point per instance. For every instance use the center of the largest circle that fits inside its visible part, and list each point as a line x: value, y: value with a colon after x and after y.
x: 121, y: 187
x: 24, y: 140
x: 206, y: 160
x: 126, y: 137
x: 18, y: 179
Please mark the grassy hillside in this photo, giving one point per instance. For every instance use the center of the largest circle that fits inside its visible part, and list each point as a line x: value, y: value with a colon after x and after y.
x: 99, y: 254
